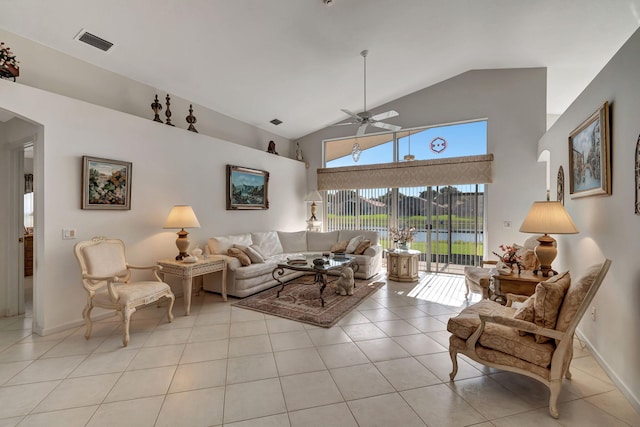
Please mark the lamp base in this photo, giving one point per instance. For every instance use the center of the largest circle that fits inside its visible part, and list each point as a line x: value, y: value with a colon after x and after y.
x: 182, y: 242
x: 546, y: 252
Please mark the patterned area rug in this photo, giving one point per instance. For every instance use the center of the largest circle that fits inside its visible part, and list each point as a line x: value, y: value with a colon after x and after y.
x: 300, y: 300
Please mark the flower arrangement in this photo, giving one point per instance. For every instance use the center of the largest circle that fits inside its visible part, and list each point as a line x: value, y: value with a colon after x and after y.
x: 7, y: 58
x: 509, y: 256
x: 403, y: 235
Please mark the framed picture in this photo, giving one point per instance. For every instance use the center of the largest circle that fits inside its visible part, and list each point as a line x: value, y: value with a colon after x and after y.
x: 106, y: 184
x: 589, y: 158
x: 247, y: 188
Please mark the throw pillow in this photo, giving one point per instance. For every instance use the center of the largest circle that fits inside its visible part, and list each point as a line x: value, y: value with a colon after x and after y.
x: 340, y: 246
x: 547, y: 300
x: 242, y: 257
x: 254, y: 255
x: 525, y: 312
x: 362, y: 247
x: 575, y: 295
x: 353, y: 244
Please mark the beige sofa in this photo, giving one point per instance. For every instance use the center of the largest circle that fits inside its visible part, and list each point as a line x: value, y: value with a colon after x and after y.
x: 276, y: 246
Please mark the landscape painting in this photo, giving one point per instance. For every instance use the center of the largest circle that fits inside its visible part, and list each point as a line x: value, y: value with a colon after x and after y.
x: 247, y: 188
x: 106, y: 184
x: 589, y: 146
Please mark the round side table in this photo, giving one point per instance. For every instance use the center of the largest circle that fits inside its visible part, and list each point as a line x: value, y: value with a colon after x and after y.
x: 402, y: 266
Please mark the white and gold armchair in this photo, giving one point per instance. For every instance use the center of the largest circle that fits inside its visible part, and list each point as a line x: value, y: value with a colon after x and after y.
x: 106, y: 278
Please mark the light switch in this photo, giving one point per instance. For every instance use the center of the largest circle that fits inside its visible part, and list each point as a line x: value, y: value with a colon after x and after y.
x: 68, y: 233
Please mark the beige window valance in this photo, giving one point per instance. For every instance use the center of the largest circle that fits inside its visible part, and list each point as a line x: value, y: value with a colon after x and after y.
x: 419, y: 173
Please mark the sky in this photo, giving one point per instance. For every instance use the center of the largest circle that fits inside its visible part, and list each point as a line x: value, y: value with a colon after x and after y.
x: 465, y: 139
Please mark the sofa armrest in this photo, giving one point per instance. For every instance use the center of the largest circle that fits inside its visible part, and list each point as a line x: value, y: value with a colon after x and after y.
x: 373, y: 250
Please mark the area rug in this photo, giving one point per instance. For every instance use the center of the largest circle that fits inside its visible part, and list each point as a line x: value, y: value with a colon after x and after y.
x: 300, y: 301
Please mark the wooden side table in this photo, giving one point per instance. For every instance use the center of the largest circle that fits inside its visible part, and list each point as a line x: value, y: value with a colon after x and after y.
x: 522, y: 283
x: 187, y: 271
x: 402, y: 266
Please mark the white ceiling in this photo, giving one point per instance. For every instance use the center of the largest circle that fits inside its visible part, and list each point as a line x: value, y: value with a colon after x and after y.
x: 299, y: 60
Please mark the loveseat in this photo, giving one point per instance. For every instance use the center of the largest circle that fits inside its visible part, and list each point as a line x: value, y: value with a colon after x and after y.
x: 252, y: 257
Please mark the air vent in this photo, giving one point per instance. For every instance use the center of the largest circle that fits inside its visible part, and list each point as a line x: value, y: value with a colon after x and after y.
x: 93, y: 40
x: 275, y: 122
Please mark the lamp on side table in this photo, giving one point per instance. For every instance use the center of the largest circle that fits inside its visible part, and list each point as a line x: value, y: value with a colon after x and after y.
x: 182, y: 216
x: 547, y: 218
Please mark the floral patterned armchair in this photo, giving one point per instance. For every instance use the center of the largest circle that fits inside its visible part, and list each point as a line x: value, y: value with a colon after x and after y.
x: 536, y: 339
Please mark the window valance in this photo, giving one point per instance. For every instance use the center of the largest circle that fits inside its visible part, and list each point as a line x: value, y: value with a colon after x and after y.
x: 451, y: 171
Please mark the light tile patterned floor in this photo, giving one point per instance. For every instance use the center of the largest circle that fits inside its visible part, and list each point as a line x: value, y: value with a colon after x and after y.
x: 384, y: 364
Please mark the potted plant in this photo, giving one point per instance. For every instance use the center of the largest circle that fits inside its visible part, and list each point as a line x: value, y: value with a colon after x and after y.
x: 8, y: 63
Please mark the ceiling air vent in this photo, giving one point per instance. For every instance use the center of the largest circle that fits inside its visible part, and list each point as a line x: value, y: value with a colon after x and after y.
x: 275, y: 122
x: 93, y: 40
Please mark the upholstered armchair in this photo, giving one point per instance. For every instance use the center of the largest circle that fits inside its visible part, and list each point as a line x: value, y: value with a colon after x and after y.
x: 536, y: 339
x: 106, y: 278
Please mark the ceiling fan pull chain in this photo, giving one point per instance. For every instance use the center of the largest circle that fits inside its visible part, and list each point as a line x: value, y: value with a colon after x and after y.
x: 364, y: 55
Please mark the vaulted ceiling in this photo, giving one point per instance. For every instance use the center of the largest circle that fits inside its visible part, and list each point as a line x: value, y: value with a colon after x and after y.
x: 299, y: 60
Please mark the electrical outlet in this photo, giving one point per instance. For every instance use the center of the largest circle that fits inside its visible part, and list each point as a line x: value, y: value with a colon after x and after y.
x: 593, y: 314
x: 506, y: 224
x: 68, y: 233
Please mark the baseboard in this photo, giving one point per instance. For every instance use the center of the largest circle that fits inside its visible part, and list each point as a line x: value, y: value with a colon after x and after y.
x: 73, y: 324
x: 624, y: 389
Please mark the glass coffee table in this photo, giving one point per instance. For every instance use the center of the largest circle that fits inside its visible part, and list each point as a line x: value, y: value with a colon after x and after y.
x: 319, y: 272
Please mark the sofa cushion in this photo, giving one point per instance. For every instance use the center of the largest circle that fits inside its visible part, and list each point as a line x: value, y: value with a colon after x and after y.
x: 221, y: 244
x: 240, y: 255
x: 547, y: 300
x: 253, y: 254
x: 318, y: 241
x: 362, y: 247
x: 353, y: 244
x: 525, y: 312
x: 374, y: 236
x: 293, y: 241
x: 574, y: 297
x: 340, y: 246
x: 268, y: 242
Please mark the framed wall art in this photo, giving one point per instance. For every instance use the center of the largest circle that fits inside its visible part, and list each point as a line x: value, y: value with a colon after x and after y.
x: 560, y: 185
x: 589, y: 156
x: 637, y: 210
x: 106, y: 184
x: 247, y: 188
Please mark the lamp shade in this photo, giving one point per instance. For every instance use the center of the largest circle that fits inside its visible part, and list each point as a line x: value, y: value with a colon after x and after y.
x: 548, y: 218
x: 313, y: 196
x: 182, y: 216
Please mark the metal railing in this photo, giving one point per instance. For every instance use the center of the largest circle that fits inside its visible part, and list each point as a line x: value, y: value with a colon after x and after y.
x: 448, y: 221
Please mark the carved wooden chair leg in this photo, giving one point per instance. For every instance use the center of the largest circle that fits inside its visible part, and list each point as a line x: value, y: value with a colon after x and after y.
x: 126, y: 317
x: 86, y: 314
x: 554, y: 388
x: 170, y: 307
x: 454, y: 361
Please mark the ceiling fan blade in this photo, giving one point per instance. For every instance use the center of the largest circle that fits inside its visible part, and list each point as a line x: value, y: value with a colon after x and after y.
x: 361, y: 129
x: 344, y: 124
x: 393, y: 128
x: 388, y: 114
x: 352, y: 114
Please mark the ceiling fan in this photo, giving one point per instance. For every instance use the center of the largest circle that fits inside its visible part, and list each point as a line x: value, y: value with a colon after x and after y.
x: 365, y: 118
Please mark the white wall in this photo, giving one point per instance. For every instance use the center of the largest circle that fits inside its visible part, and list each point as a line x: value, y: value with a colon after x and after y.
x: 170, y: 166
x: 57, y: 72
x: 513, y: 101
x: 608, y: 226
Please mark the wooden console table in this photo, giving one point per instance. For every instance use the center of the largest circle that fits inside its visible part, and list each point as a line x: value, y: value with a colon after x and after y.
x: 187, y: 271
x: 402, y: 266
x: 522, y: 283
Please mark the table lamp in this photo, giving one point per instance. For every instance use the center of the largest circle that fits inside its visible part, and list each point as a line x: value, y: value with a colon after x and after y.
x: 182, y: 216
x: 313, y: 197
x: 547, y: 218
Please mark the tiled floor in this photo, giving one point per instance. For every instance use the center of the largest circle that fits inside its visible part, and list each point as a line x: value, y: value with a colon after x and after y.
x: 385, y: 364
